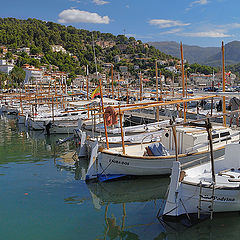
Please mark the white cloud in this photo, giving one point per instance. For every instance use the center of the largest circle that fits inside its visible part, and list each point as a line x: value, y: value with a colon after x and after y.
x: 200, y: 2
x: 100, y: 2
x: 77, y: 16
x: 77, y: 1
x: 172, y: 31
x: 145, y: 36
x: 209, y: 34
x: 165, y: 23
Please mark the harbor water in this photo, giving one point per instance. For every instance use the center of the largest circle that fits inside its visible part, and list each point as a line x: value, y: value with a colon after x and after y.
x: 43, y: 195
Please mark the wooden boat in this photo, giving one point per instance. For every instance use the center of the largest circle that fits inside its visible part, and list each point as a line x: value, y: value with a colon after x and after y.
x: 201, y: 190
x: 193, y: 149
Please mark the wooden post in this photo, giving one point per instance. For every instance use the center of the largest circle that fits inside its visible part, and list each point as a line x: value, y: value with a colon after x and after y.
x: 175, y: 139
x: 223, y: 79
x: 119, y: 87
x: 122, y: 135
x: 105, y: 123
x: 108, y: 86
x: 87, y: 87
x: 52, y: 109
x: 127, y: 94
x: 183, y: 78
x: 112, y: 81
x: 211, y: 106
x: 209, y: 131
x: 21, y: 102
x: 157, y: 108
x: 161, y: 87
x: 183, y: 83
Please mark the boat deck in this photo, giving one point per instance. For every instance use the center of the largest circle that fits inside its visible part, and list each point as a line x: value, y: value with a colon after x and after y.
x: 225, y: 178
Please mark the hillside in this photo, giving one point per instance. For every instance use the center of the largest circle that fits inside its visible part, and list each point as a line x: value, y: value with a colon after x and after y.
x: 232, y: 55
x: 210, y: 56
x: 194, y: 54
x: 39, y: 36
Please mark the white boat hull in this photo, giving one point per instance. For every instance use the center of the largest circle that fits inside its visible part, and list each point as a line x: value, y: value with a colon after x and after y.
x: 109, y: 164
x: 197, y: 192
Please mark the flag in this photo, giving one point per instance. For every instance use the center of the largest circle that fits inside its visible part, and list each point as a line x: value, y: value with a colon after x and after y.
x: 96, y: 92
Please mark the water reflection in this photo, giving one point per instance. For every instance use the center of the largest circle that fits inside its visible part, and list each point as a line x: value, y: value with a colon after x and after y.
x: 140, y: 189
x: 129, y: 205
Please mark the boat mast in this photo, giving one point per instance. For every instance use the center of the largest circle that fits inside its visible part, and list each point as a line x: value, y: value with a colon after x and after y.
x: 141, y: 98
x: 183, y: 84
x: 157, y: 114
x: 104, y: 118
x: 112, y: 81
x: 223, y: 79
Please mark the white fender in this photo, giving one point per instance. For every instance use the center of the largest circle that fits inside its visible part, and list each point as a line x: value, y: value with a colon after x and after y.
x: 92, y: 167
x: 83, y: 147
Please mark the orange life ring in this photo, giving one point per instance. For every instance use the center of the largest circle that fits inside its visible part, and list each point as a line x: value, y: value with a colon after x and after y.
x: 110, y: 116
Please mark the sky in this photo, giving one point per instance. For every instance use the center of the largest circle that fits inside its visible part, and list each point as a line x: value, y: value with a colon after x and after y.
x: 204, y: 23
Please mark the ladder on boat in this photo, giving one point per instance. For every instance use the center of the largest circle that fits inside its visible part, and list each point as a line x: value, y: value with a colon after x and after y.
x: 208, y: 199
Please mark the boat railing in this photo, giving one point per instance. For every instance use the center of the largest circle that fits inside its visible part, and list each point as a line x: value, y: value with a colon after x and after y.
x: 217, y: 140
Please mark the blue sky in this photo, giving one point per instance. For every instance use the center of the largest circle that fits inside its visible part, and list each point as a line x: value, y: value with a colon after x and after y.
x: 194, y: 22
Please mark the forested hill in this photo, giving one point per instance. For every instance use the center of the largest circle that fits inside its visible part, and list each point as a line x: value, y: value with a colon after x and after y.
x: 40, y: 35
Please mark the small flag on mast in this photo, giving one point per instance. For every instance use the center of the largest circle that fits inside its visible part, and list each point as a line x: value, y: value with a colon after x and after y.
x: 96, y: 92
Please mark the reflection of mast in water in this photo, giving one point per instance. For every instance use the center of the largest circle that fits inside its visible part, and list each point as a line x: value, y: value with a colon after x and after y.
x: 144, y: 189
x: 112, y: 230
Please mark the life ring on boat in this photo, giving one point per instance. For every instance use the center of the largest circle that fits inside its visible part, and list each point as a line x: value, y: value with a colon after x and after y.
x: 110, y: 116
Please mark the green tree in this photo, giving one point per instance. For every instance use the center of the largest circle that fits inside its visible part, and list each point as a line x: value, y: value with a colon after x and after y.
x: 17, y: 74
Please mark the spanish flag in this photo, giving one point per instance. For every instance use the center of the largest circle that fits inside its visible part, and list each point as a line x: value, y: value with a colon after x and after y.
x: 96, y: 92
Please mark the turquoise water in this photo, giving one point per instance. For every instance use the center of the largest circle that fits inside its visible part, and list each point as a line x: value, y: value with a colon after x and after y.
x: 42, y: 196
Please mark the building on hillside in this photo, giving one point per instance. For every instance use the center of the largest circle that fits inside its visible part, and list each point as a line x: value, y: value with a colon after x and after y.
x: 171, y: 69
x: 5, y: 66
x: 33, y: 75
x: 3, y: 49
x: 58, y: 48
x: 123, y: 69
x: 24, y: 49
x: 105, y: 44
x: 38, y: 57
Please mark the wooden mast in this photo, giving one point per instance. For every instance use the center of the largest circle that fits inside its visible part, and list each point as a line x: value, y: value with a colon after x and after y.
x: 122, y: 135
x: 157, y: 113
x: 223, y: 79
x: 112, y: 81
x: 105, y: 123
x: 183, y: 80
x: 118, y: 86
x: 87, y: 84
x: 141, y: 97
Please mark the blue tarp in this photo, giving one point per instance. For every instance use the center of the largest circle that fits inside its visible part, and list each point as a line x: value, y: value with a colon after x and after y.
x: 158, y: 149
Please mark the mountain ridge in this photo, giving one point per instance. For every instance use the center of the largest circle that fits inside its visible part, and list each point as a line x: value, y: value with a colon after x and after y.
x: 202, y: 55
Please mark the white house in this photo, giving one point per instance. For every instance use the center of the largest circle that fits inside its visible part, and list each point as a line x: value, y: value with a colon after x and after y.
x: 5, y: 66
x: 32, y: 73
x: 58, y: 48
